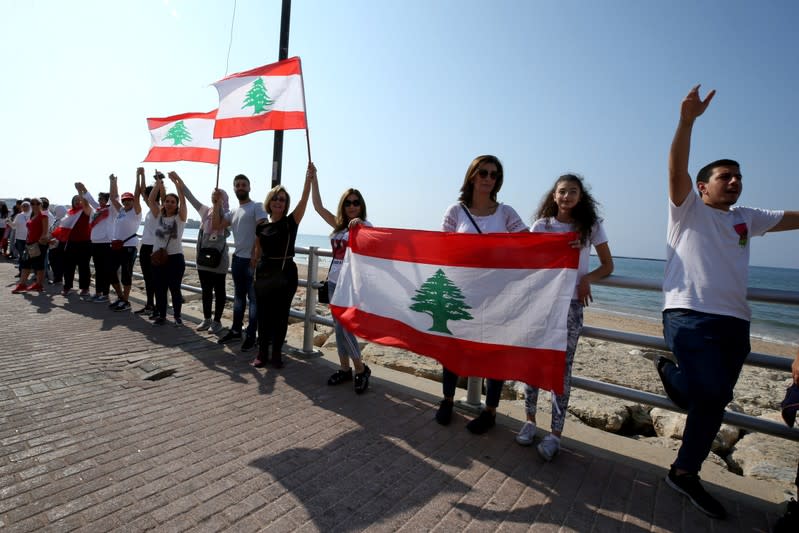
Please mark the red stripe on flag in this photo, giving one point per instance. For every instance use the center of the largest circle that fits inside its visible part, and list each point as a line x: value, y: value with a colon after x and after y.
x: 153, y: 123
x: 541, y: 368
x: 167, y: 153
x: 274, y: 120
x: 287, y: 67
x: 487, y: 250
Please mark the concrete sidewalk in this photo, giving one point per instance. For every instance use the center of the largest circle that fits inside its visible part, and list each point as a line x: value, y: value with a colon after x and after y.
x: 210, y: 444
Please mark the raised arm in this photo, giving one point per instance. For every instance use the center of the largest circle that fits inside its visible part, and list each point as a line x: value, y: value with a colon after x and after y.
x: 142, y: 185
x: 191, y: 198
x: 81, y: 188
x: 692, y: 107
x: 299, y: 211
x: 790, y: 220
x: 113, y: 192
x: 155, y: 194
x: 182, y: 209
x: 316, y: 197
x: 218, y: 220
x: 137, y: 190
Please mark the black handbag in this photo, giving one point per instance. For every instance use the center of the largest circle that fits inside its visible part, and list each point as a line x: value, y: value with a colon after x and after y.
x: 324, y: 297
x: 209, y: 257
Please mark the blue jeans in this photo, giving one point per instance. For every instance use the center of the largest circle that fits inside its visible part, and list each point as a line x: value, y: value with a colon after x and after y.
x: 710, y: 352
x: 243, y: 288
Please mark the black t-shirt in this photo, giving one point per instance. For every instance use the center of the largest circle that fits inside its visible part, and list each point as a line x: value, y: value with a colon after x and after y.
x: 272, y: 236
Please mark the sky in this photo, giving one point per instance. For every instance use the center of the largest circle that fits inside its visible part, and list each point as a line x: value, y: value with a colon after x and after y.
x: 401, y: 96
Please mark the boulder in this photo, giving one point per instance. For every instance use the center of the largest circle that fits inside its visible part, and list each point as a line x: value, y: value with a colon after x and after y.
x: 766, y: 457
x: 602, y: 412
x: 667, y: 423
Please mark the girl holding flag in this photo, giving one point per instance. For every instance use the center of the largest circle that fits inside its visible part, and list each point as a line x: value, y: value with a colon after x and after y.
x: 568, y: 207
x: 478, y: 211
x: 351, y: 211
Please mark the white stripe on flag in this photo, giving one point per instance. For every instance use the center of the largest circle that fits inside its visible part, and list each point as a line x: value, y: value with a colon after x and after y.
x: 518, y: 307
x: 200, y: 129
x: 285, y: 91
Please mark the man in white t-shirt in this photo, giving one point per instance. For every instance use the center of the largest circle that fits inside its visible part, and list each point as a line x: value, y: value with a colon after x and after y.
x: 705, y: 315
x: 242, y: 221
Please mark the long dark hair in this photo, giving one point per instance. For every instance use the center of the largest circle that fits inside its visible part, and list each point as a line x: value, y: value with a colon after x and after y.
x: 467, y: 189
x: 585, y: 214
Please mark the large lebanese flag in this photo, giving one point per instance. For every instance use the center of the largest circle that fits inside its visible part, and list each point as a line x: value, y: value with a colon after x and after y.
x: 490, y: 305
x: 264, y: 98
x: 186, y: 137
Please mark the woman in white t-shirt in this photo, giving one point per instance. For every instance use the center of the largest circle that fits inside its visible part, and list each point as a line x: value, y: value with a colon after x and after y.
x: 567, y: 207
x: 168, y: 275
x: 351, y: 211
x: 478, y: 211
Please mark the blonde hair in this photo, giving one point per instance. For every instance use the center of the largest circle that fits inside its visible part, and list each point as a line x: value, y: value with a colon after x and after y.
x: 271, y: 195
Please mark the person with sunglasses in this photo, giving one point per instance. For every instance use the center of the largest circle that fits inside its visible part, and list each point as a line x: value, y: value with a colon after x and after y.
x: 275, y: 271
x: 351, y: 211
x: 478, y: 211
x: 36, y: 240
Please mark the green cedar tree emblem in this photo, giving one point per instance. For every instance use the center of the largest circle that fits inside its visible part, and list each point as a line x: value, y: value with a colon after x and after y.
x: 178, y: 133
x: 442, y: 300
x: 257, y: 98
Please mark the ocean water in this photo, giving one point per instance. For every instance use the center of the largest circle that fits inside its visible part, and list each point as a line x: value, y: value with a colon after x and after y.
x: 773, y: 322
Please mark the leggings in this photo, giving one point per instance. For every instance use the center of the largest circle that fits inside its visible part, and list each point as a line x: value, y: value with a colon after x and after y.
x: 78, y: 254
x: 145, y: 251
x: 274, y: 303
x: 101, y: 254
x: 213, y: 284
x: 574, y: 327
x: 168, y: 277
x: 346, y: 343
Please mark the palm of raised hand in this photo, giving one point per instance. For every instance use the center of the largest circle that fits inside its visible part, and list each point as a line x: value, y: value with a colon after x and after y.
x: 693, y: 105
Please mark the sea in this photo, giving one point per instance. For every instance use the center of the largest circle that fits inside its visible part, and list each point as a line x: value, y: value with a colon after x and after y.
x: 771, y: 322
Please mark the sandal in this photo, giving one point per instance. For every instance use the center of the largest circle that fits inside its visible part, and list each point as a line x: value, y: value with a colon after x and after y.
x: 340, y: 376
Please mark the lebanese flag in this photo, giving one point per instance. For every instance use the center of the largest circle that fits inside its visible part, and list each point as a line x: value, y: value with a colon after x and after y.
x: 186, y: 137
x: 491, y: 305
x: 62, y: 231
x: 264, y: 98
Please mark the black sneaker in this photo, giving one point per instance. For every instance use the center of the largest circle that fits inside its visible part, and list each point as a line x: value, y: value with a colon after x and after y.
x: 482, y: 423
x: 444, y: 413
x: 146, y: 309
x: 230, y: 336
x: 249, y: 342
x: 114, y: 305
x: 660, y: 364
x: 340, y: 376
x: 362, y: 380
x: 123, y: 306
x: 690, y: 486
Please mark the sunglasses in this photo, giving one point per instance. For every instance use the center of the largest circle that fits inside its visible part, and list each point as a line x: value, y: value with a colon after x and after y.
x: 353, y: 203
x: 494, y: 174
x: 279, y: 199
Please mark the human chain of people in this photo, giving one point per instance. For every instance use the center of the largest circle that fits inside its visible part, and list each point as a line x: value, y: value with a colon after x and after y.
x: 705, y: 313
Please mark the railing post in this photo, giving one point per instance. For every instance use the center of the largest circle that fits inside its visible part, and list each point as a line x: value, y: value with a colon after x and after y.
x: 310, y: 303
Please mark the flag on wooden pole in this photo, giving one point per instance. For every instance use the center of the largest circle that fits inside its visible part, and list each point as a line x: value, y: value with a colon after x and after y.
x: 490, y: 305
x: 264, y: 98
x: 186, y: 137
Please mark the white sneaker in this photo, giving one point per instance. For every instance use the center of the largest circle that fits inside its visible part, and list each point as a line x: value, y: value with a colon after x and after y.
x: 205, y: 324
x: 526, y: 434
x: 215, y: 327
x: 549, y: 447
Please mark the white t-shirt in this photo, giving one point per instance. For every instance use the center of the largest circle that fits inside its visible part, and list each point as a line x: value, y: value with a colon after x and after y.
x: 242, y: 224
x: 127, y: 224
x: 338, y: 242
x: 707, y: 260
x: 103, y: 231
x: 504, y: 220
x: 148, y: 232
x: 598, y: 236
x: 169, y: 234
x: 20, y: 225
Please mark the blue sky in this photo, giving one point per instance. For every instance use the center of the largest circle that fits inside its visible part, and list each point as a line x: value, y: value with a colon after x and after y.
x: 402, y: 96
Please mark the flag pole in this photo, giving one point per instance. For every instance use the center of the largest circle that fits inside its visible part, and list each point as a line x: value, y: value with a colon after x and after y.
x: 282, y: 53
x: 218, y: 163
x: 305, y: 110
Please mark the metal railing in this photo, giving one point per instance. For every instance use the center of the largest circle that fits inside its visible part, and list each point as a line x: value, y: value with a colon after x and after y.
x: 309, y: 317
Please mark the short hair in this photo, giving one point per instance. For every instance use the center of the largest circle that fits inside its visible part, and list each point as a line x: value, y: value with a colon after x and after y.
x: 272, y: 192
x: 704, y: 173
x: 467, y: 189
x: 241, y: 177
x: 103, y: 196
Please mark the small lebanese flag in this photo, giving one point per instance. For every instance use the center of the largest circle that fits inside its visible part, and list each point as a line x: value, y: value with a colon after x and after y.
x: 186, y: 137
x: 64, y: 228
x: 264, y: 98
x: 490, y: 305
